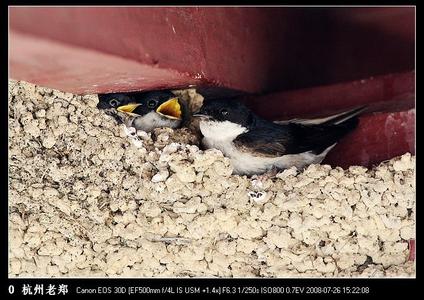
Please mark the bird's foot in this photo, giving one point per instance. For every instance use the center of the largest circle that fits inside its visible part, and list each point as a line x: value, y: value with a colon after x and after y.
x: 271, y: 173
x: 259, y: 181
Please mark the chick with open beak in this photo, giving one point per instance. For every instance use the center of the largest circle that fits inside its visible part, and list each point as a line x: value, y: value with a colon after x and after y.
x: 148, y: 110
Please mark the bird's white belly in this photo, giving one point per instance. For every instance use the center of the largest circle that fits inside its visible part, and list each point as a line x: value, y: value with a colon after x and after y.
x: 248, y: 164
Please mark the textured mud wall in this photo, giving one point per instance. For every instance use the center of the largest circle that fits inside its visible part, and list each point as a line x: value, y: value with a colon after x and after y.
x: 89, y: 197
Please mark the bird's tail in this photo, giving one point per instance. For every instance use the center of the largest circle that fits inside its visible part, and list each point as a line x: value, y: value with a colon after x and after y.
x: 344, y: 116
x: 328, y: 131
x: 330, y: 120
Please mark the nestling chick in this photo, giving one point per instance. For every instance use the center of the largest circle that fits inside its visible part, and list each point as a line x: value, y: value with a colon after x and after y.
x: 148, y: 110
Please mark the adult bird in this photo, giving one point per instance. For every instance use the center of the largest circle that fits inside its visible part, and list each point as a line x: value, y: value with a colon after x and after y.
x: 255, y: 145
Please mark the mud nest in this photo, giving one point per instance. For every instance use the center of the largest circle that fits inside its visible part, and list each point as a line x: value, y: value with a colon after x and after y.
x: 88, y: 197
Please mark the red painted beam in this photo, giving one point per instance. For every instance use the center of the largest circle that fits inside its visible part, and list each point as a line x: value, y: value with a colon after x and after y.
x: 392, y: 92
x: 222, y: 47
x: 379, y: 137
x: 400, y: 25
x: 247, y: 49
x: 82, y: 71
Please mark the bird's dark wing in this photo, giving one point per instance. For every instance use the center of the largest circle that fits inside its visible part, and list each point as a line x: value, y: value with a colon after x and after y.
x: 268, y: 141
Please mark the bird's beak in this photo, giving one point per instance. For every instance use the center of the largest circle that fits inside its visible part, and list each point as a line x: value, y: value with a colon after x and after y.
x: 129, y: 108
x: 170, y: 109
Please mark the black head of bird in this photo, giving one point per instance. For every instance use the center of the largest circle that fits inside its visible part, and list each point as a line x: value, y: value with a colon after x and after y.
x: 108, y: 101
x: 256, y: 145
x: 226, y: 111
x: 148, y: 110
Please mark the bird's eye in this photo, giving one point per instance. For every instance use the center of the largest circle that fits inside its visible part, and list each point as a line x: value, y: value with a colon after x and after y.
x: 152, y: 103
x: 114, y: 102
x: 224, y: 112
